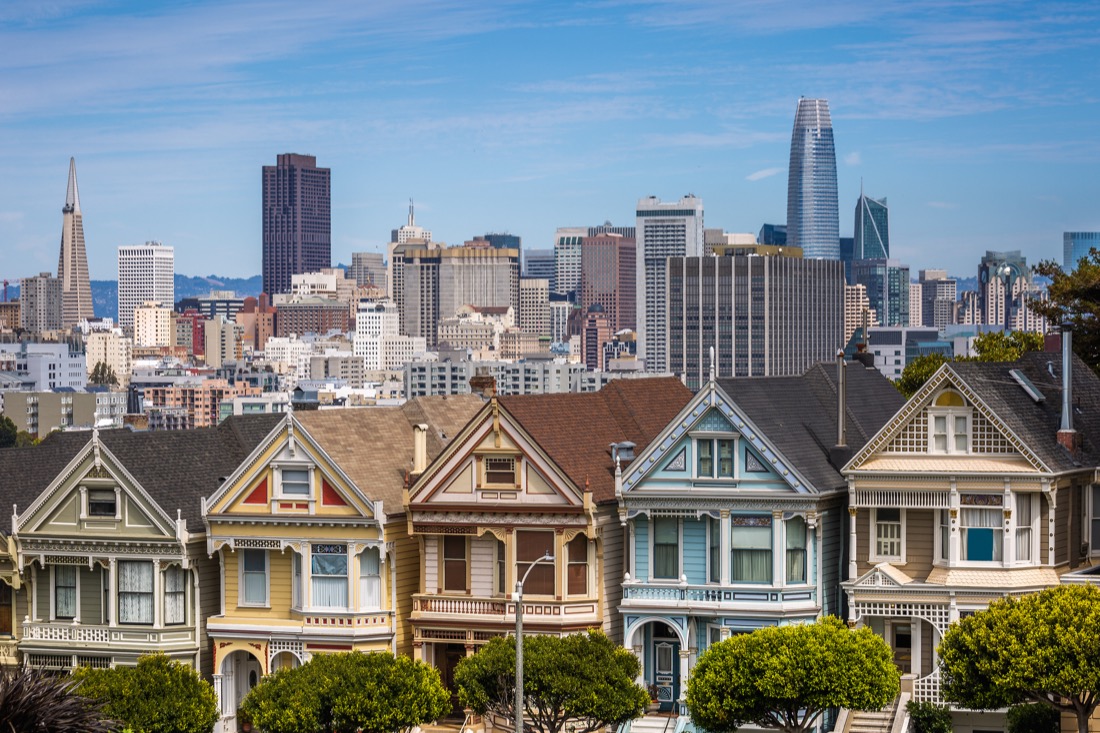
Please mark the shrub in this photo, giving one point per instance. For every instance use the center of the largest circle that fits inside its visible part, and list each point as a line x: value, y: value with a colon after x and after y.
x: 1034, y: 718
x: 33, y: 700
x: 927, y: 717
x: 157, y: 696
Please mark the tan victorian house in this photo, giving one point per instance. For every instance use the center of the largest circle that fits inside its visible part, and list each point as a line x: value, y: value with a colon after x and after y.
x: 311, y: 539
x: 983, y: 485
x: 529, y: 476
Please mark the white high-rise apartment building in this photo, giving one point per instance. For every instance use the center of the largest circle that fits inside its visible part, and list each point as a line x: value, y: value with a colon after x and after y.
x: 567, y: 258
x: 916, y: 302
x: 378, y: 340
x: 534, y: 306
x: 153, y: 325
x: 856, y: 305
x: 146, y: 273
x: 111, y: 348
x: 663, y: 230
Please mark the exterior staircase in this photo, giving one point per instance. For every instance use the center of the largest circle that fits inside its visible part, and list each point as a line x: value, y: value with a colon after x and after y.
x: 873, y: 721
x: 654, y: 723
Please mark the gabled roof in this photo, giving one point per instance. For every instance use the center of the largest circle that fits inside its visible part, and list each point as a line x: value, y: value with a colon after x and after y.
x: 176, y: 468
x: 575, y: 430
x: 799, y: 414
x: 374, y: 445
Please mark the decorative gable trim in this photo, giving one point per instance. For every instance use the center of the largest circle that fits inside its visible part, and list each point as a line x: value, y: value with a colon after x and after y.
x: 712, y: 398
x: 912, y: 411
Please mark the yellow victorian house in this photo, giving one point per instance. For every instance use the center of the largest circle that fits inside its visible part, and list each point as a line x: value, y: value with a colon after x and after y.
x: 309, y: 532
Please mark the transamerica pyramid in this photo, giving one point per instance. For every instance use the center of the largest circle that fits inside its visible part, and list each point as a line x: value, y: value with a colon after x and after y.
x: 72, y: 264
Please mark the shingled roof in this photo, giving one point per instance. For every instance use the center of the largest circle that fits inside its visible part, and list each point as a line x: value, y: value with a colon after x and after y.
x: 1037, y: 423
x: 176, y: 468
x: 798, y: 414
x: 575, y: 430
x: 374, y: 446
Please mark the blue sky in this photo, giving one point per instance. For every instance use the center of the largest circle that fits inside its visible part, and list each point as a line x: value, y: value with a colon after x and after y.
x: 978, y: 120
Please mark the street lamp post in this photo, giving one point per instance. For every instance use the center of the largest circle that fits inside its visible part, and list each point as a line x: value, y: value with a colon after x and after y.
x: 519, y: 639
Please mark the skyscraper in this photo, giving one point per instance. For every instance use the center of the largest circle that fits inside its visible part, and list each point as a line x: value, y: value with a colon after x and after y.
x: 663, y: 230
x: 608, y: 269
x: 1076, y: 245
x: 887, y: 283
x: 872, y: 229
x: 146, y: 273
x: 296, y: 219
x: 812, y: 214
x: 72, y: 264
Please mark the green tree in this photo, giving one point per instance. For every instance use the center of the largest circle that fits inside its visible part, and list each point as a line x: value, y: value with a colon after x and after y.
x: 917, y: 372
x: 786, y: 677
x: 1001, y: 346
x: 928, y: 717
x: 103, y: 374
x: 1033, y: 718
x: 9, y: 435
x: 348, y: 692
x: 1040, y: 648
x: 585, y: 681
x: 33, y: 700
x: 1074, y: 297
x: 157, y: 696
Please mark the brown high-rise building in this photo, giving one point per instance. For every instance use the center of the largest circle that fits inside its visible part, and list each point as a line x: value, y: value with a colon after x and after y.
x: 297, y: 220
x: 608, y: 271
x: 72, y: 264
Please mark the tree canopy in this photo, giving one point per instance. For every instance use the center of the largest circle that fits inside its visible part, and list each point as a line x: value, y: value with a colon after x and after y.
x: 583, y: 680
x: 1074, y: 297
x: 8, y: 432
x: 917, y: 372
x: 786, y: 677
x: 1043, y: 647
x: 157, y: 696
x: 103, y: 374
x: 989, y: 346
x: 348, y: 692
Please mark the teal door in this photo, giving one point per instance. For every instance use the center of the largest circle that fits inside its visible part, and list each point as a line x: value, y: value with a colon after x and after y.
x: 666, y: 671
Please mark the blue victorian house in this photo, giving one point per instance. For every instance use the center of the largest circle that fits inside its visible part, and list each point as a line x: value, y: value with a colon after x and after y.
x: 735, y: 515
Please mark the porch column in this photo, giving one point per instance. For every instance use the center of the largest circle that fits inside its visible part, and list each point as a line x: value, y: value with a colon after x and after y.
x: 112, y: 591
x: 158, y: 595
x: 916, y: 667
x: 1052, y: 501
x: 685, y: 660
x: 724, y: 546
x: 813, y: 577
x: 779, y: 567
x: 1008, y: 537
x: 217, y: 679
x: 852, y: 544
x: 34, y: 592
x: 954, y: 549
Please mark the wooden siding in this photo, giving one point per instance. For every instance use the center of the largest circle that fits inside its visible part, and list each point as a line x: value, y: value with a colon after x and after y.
x: 1061, y: 525
x: 91, y: 596
x: 206, y: 571
x: 43, y: 587
x: 406, y: 550
x: 278, y: 590
x: 832, y: 528
x: 431, y: 564
x: 482, y: 565
x: 920, y: 542
x: 695, y: 551
x: 609, y: 572
x: 641, y: 548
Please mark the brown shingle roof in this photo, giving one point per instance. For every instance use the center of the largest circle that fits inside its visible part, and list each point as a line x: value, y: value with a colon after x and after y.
x: 374, y: 445
x: 575, y: 430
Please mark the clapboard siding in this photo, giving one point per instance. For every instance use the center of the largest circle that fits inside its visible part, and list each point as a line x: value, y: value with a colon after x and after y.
x: 431, y: 564
x: 91, y: 596
x: 205, y: 578
x: 641, y: 548
x: 609, y: 574
x: 695, y: 550
x: 407, y: 557
x: 832, y: 528
x: 482, y: 565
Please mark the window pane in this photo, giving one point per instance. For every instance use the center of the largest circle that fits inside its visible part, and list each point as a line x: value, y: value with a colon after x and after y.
x: 531, y: 545
x: 329, y: 565
x: 175, y: 595
x: 578, y: 566
x: 330, y: 592
x: 101, y: 503
x: 454, y: 575
x: 295, y: 481
x: 706, y: 457
x: 961, y: 443
x: 255, y: 560
x: 500, y: 470
x: 796, y: 550
x: 64, y: 591
x: 541, y: 580
x: 888, y: 515
x: 135, y: 592
x: 666, y: 547
x: 725, y: 457
x: 454, y: 548
x: 714, y: 532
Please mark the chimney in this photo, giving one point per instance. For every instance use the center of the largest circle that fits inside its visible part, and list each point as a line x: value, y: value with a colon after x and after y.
x: 1068, y: 438
x: 839, y: 453
x: 420, y: 449
x: 483, y: 383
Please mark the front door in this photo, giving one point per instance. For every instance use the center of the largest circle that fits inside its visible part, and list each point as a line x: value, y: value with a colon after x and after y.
x: 901, y: 642
x: 666, y: 671
x: 5, y: 609
x: 447, y: 657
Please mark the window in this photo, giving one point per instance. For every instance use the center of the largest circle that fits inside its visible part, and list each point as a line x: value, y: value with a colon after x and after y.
x: 502, y: 565
x: 500, y: 471
x: 577, y: 571
x: 796, y: 550
x: 135, y: 592
x: 295, y: 580
x: 888, y: 533
x: 101, y: 503
x: 1094, y: 537
x: 714, y: 635
x: 254, y: 577
x: 949, y: 424
x: 64, y: 591
x: 295, y: 481
x: 1023, y: 528
x: 175, y: 595
x: 329, y: 576
x: 725, y: 458
x: 751, y: 554
x: 666, y: 548
x: 454, y: 563
x: 982, y: 535
x: 530, y: 546
x: 370, y: 580
x: 714, y: 544
x: 706, y: 458
x: 945, y: 534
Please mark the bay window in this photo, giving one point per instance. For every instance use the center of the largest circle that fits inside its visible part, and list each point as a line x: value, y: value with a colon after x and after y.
x: 714, y: 545
x: 982, y: 535
x: 295, y: 580
x: 135, y: 592
x: 253, y: 578
x: 175, y: 595
x: 577, y: 572
x: 796, y: 550
x: 751, y: 553
x: 370, y: 580
x: 64, y: 591
x: 888, y: 534
x: 530, y: 546
x: 666, y: 548
x: 329, y: 576
x: 454, y: 563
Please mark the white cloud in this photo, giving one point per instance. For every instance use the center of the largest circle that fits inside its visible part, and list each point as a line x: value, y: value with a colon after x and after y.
x: 853, y: 158
x: 763, y: 173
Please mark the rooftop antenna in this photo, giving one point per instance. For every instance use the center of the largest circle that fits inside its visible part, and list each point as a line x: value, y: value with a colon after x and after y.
x: 412, y: 216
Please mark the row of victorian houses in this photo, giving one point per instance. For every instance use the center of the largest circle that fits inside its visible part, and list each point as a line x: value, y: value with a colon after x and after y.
x: 674, y: 519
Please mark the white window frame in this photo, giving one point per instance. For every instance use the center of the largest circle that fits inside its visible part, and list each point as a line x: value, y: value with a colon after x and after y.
x: 280, y: 494
x: 164, y: 600
x: 267, y: 581
x: 997, y: 545
x: 714, y: 527
x: 714, y: 440
x: 1093, y: 511
x: 653, y: 550
x: 313, y: 576
x: 950, y: 414
x: 941, y: 552
x: 873, y: 535
x: 75, y: 618
x: 1033, y: 500
x: 587, y: 566
x: 86, y: 500
x: 361, y: 555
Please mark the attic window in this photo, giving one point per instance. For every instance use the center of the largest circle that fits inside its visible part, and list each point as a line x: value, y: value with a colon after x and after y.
x: 101, y: 503
x: 500, y: 471
x: 295, y: 481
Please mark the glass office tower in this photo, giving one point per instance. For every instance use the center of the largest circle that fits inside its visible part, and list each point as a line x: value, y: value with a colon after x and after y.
x: 812, y: 213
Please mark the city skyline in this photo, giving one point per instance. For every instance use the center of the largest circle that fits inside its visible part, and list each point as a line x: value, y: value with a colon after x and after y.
x: 975, y: 120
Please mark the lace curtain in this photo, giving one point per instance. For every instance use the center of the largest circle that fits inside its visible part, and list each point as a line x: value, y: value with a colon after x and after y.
x: 370, y: 582
x: 175, y: 595
x: 330, y: 581
x: 135, y: 592
x: 64, y: 602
